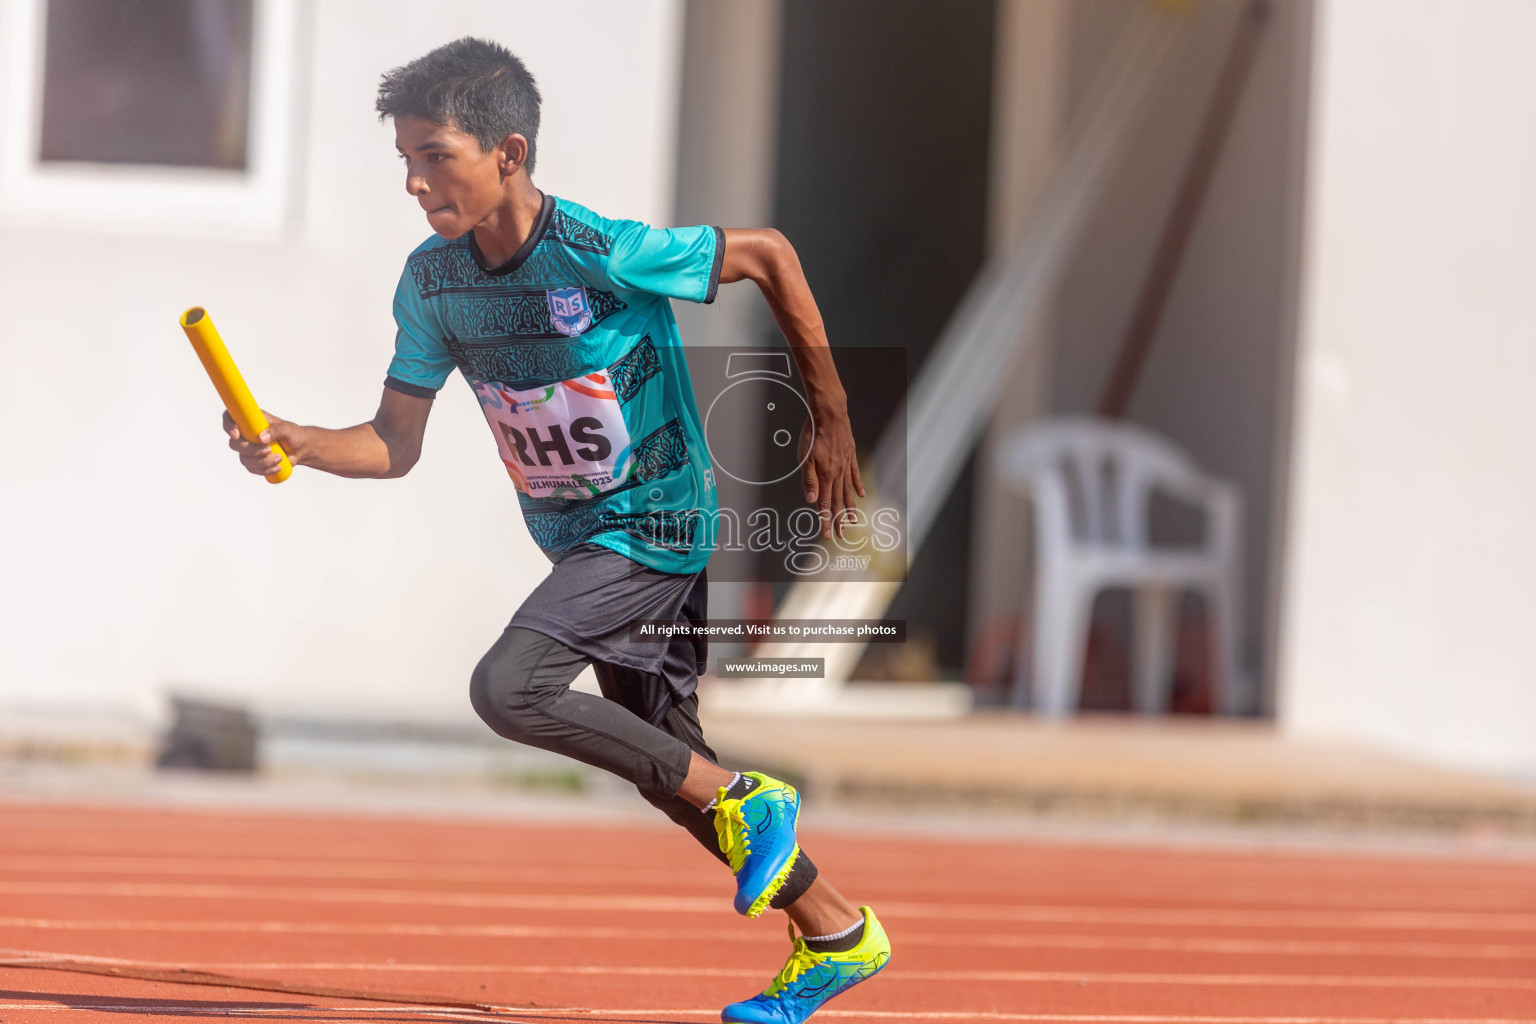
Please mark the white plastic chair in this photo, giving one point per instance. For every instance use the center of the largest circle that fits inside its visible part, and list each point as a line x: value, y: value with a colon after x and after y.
x: 1091, y: 482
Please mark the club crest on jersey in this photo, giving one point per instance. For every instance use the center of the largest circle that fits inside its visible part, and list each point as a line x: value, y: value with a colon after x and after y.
x: 569, y: 310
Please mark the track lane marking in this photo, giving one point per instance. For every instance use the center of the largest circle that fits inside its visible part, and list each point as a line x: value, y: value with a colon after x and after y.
x: 240, y: 1010
x: 402, y: 870
x: 301, y: 1011
x: 1160, y: 865
x: 271, y: 867
x: 1414, y: 920
x: 1176, y: 860
x: 1026, y: 977
x: 1088, y: 942
x: 1103, y: 1018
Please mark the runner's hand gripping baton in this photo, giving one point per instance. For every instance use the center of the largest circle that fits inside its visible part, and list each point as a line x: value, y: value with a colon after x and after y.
x: 231, y: 386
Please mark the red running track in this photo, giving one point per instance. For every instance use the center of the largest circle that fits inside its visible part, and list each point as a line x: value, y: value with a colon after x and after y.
x: 634, y: 924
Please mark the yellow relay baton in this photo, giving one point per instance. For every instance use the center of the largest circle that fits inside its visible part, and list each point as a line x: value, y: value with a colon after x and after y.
x: 231, y: 386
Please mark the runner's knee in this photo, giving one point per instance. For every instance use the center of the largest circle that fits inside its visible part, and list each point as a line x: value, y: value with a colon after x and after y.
x: 507, y: 686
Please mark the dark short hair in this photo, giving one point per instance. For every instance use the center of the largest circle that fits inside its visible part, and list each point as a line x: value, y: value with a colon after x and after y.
x: 476, y: 86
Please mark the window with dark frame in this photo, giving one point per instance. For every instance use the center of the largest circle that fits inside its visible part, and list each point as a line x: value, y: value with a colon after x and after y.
x: 148, y: 82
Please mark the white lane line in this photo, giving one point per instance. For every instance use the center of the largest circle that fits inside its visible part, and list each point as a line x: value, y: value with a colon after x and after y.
x: 1158, y: 864
x: 19, y: 955
x: 671, y: 970
x: 1065, y: 977
x: 1146, y: 1018
x: 1255, y: 947
x: 301, y: 1012
x: 337, y: 869
x: 307, y: 1012
x: 1177, y: 917
x: 1110, y: 1018
x: 1247, y: 893
x: 257, y: 893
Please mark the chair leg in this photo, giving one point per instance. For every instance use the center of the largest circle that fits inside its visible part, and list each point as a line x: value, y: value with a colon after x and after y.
x: 1033, y: 657
x: 1221, y: 606
x: 1059, y: 652
x: 1152, y: 666
x: 1026, y: 673
x: 1026, y: 655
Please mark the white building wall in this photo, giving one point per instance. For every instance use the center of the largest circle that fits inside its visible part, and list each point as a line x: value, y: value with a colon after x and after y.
x: 1410, y: 611
x: 139, y: 556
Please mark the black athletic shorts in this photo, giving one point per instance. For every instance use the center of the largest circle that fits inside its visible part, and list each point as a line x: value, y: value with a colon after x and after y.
x: 590, y: 598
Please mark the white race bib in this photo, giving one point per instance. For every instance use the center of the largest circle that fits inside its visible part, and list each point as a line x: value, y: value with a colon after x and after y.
x: 567, y: 440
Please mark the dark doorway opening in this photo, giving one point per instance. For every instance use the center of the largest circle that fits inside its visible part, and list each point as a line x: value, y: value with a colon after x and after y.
x: 881, y: 184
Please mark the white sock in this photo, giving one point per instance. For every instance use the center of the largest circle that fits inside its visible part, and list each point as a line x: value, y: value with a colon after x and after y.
x: 711, y: 805
x: 836, y: 935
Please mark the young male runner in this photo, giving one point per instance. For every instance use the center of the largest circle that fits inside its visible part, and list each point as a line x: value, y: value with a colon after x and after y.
x: 560, y: 321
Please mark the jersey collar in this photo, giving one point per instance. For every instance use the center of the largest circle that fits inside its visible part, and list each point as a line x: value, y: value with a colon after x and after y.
x: 540, y: 225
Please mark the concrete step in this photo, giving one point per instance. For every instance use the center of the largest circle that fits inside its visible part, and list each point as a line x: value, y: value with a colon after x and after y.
x: 1123, y: 767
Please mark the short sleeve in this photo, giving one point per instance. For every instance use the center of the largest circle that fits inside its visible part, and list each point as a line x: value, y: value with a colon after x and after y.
x: 680, y: 263
x: 421, y: 364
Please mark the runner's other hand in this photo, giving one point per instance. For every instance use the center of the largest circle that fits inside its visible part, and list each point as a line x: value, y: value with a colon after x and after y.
x: 831, y: 473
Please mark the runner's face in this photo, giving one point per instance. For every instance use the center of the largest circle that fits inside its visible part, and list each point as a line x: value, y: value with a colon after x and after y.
x: 456, y: 183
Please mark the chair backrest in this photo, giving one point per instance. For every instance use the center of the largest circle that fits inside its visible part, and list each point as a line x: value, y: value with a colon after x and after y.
x: 1102, y: 474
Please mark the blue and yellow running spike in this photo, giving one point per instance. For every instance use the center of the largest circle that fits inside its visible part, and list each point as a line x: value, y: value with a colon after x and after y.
x: 810, y: 978
x: 757, y: 835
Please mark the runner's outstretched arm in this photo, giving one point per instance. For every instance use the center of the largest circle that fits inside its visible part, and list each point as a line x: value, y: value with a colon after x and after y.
x: 386, y: 446
x: 764, y: 256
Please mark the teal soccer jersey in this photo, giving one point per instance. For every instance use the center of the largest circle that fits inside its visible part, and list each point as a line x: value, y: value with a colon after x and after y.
x: 573, y: 352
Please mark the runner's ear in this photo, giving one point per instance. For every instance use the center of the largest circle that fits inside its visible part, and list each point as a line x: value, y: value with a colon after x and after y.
x: 511, y: 154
